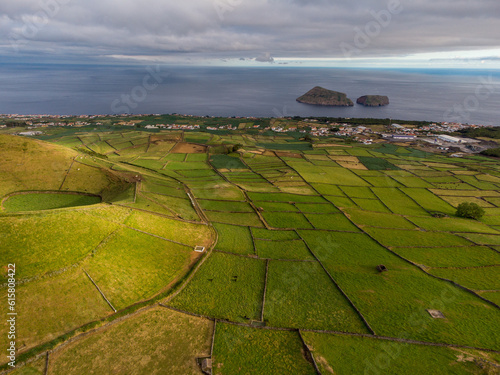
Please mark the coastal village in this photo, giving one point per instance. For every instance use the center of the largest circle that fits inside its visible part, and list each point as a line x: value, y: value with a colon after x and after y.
x: 434, y: 136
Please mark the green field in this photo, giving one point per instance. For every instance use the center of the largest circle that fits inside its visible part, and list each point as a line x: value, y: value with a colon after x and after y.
x: 337, y: 354
x: 234, y: 239
x: 40, y: 201
x: 243, y: 350
x: 114, y: 266
x: 294, y: 249
x: 301, y: 295
x: 293, y: 240
x: 158, y: 338
x: 226, y: 286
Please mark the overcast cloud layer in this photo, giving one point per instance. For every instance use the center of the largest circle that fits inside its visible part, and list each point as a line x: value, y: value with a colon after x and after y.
x: 200, y: 30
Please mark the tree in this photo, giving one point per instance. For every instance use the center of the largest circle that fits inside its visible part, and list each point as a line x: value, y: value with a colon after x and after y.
x: 470, y: 210
x: 307, y: 138
x: 492, y: 152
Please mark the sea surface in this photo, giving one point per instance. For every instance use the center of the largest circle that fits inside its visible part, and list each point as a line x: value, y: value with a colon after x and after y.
x: 468, y: 96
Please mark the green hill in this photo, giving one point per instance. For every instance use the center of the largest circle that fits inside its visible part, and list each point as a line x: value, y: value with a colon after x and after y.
x: 322, y: 96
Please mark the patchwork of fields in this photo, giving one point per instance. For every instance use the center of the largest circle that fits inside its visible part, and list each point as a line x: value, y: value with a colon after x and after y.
x: 288, y: 282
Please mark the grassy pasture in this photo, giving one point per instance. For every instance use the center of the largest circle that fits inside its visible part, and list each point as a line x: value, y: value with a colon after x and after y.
x: 226, y: 286
x: 451, y: 224
x: 286, y: 220
x: 144, y: 202
x: 52, y: 306
x: 358, y: 192
x: 40, y: 244
x: 47, y: 201
x: 370, y: 205
x: 486, y: 278
x: 275, y: 235
x: 331, y: 222
x: 428, y: 200
x: 398, y: 202
x: 412, y: 182
x: 329, y: 175
x: 181, y: 206
x: 234, y: 239
x: 483, y: 185
x: 373, y: 163
x: 375, y: 219
x: 383, y: 181
x: 277, y: 206
x: 314, y: 208
x: 36, y: 367
x: 112, y: 213
x: 240, y: 218
x: 221, y: 191
x: 86, y: 179
x: 470, y: 256
x: 186, y: 233
x: 149, y: 163
x: 285, y: 197
x: 491, y: 296
x: 341, y: 202
x: 294, y: 249
x: 300, y: 294
x: 175, y: 191
x: 483, y: 239
x: 244, y: 350
x: 226, y: 162
x: 328, y: 189
x: 157, y: 339
x: 455, y: 201
x: 225, y: 206
x: 28, y: 164
x: 181, y: 166
x: 454, y: 186
x: 197, y: 173
x: 336, y: 354
x: 132, y: 266
x: 197, y: 157
x: 404, y: 292
x: 415, y: 238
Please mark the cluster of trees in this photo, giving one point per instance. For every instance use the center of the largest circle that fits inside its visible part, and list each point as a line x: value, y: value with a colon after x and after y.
x: 363, y: 121
x: 15, y: 124
x: 485, y: 132
x: 492, y: 152
x: 470, y: 210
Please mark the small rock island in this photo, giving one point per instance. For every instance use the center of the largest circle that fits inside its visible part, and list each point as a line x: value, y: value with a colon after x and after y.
x: 373, y: 100
x: 322, y: 96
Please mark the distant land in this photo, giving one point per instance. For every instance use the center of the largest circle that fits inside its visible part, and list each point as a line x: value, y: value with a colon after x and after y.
x: 373, y: 100
x: 321, y: 96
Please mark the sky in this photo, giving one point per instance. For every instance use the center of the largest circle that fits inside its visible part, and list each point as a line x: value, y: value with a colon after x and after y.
x: 362, y: 33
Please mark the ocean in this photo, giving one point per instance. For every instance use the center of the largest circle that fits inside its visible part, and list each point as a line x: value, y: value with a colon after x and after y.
x: 468, y: 96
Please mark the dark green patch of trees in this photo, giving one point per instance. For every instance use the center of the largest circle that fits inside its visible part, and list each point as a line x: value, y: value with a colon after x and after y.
x: 486, y: 132
x: 492, y: 152
x: 470, y: 210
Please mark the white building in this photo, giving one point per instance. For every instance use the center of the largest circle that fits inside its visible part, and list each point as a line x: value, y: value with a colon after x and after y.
x: 449, y: 138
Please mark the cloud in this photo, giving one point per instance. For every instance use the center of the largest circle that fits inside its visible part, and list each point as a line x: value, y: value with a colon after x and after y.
x: 232, y: 28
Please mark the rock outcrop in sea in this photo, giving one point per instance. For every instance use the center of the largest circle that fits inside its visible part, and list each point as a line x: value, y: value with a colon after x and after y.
x: 321, y: 96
